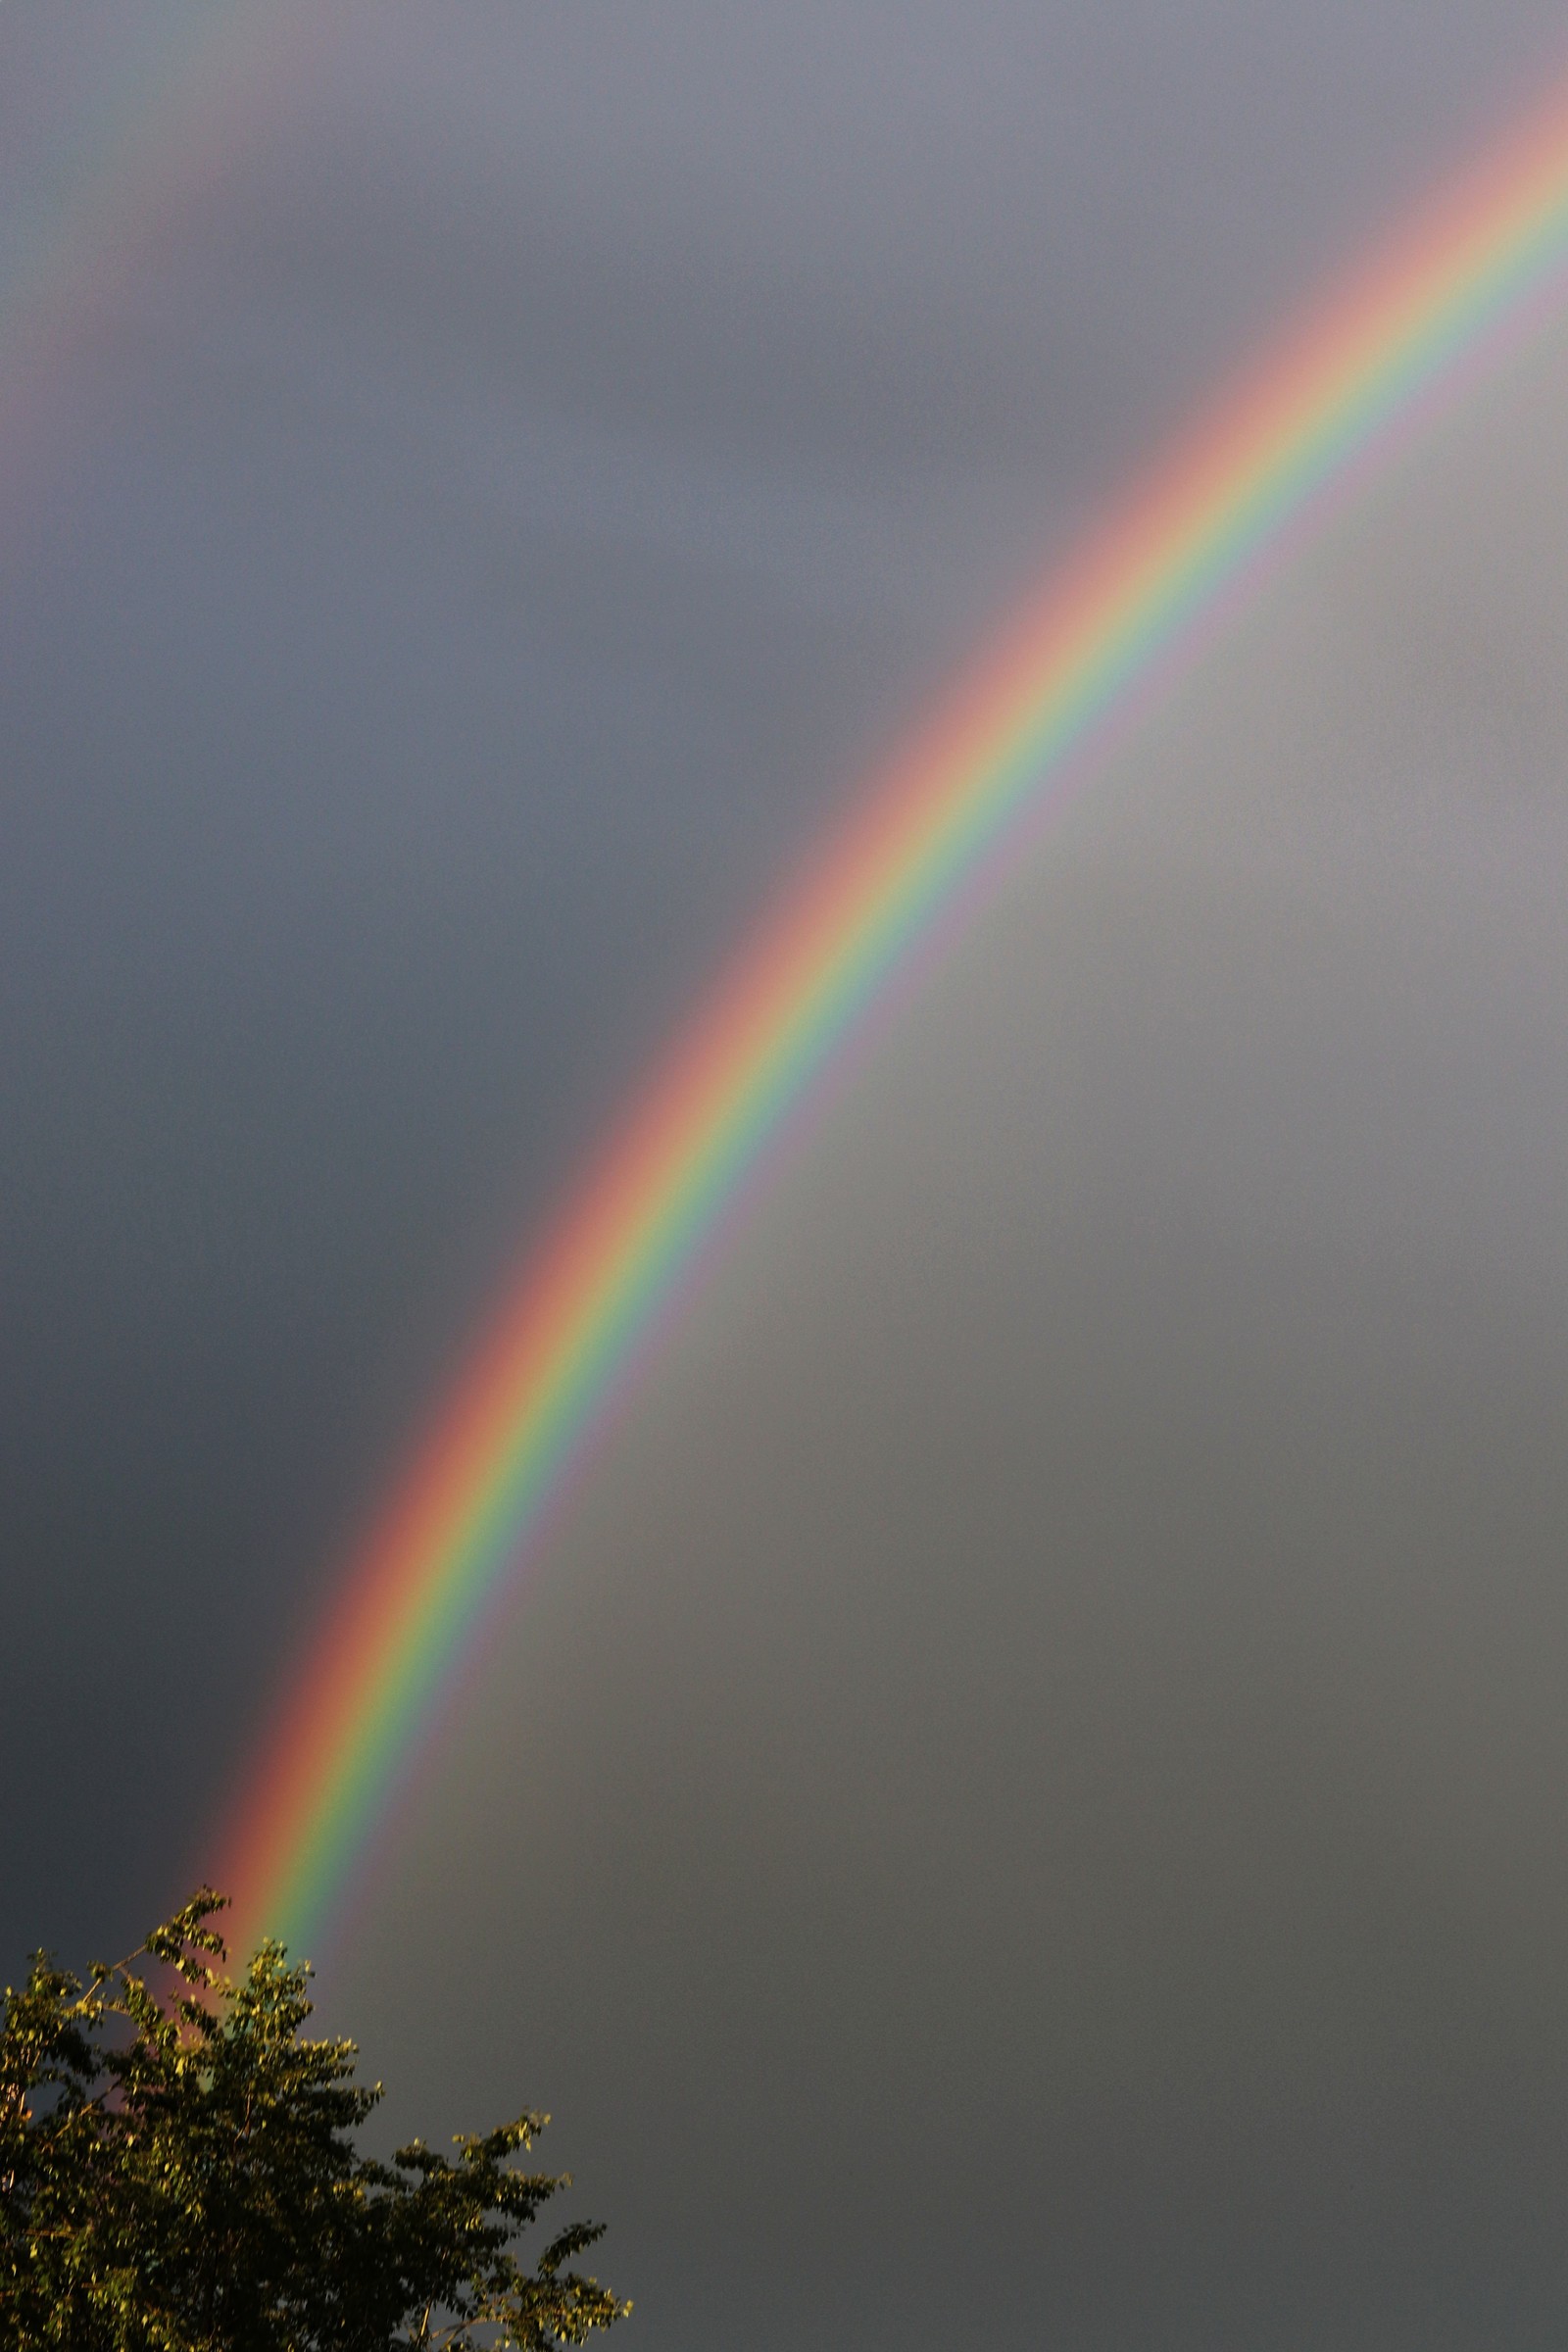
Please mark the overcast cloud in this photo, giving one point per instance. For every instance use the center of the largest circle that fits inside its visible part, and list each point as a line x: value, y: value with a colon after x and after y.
x: 1026, y: 1800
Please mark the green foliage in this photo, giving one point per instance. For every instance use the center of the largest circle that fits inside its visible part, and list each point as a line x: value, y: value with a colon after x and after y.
x: 177, y: 2174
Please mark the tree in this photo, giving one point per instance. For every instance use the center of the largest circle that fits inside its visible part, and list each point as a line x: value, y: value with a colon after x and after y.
x: 178, y: 2174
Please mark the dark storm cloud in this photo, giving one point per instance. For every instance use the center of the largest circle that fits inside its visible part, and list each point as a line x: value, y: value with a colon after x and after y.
x: 1040, y: 1752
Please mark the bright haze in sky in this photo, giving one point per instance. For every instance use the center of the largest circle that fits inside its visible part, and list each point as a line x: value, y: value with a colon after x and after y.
x: 1025, y: 1799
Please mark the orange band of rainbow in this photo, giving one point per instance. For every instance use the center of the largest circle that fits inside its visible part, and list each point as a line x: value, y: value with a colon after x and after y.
x: 1476, y: 269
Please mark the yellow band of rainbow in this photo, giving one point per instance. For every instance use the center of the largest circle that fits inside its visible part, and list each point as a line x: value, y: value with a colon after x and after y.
x: 1476, y: 269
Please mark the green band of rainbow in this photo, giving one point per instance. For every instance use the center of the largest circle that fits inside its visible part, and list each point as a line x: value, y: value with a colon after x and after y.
x: 1483, y: 263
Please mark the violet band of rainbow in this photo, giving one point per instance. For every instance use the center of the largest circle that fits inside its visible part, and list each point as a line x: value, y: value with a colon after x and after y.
x: 1443, y: 299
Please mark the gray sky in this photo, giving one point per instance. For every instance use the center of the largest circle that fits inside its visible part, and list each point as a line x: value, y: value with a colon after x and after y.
x: 1026, y: 1799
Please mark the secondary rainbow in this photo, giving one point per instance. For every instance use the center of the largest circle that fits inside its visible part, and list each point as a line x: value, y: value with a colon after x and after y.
x: 191, y: 96
x: 1475, y: 270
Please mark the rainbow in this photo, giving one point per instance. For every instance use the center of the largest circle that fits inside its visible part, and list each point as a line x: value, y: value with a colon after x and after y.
x: 1453, y: 291
x: 192, y: 98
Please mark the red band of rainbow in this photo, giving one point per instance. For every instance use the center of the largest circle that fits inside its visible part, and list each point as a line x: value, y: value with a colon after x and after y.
x: 1474, y: 270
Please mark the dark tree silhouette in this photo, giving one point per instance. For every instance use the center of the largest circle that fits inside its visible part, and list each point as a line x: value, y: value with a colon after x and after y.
x: 178, y: 2174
